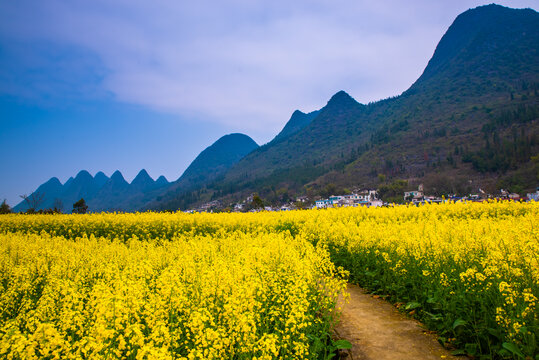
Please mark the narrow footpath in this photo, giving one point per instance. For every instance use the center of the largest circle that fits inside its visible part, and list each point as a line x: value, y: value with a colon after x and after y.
x: 377, y: 330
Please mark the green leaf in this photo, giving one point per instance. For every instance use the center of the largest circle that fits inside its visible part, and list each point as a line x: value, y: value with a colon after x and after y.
x: 435, y: 317
x: 459, y: 322
x: 495, y: 332
x: 471, y: 349
x: 342, y: 344
x: 412, y: 305
x: 442, y: 340
x: 513, y: 348
x: 458, y: 352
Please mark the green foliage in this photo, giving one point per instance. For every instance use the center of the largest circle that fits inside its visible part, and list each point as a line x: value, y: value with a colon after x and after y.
x: 452, y: 295
x: 393, y: 192
x: 5, y: 208
x: 442, y: 185
x: 80, y: 207
x: 524, y: 179
x: 518, y: 114
x: 328, y: 190
x: 503, y: 155
x: 257, y: 202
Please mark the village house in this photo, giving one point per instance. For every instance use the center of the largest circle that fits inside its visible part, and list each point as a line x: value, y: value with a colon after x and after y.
x: 363, y: 198
x: 375, y: 203
x: 322, y: 203
x: 302, y: 199
x: 533, y: 196
x: 415, y: 195
x: 238, y: 207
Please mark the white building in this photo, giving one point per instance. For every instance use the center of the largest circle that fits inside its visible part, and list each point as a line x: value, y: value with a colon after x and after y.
x: 362, y: 198
x: 413, y: 195
x: 324, y: 203
x: 534, y: 196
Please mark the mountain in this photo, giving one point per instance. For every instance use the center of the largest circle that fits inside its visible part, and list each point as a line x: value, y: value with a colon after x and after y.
x: 488, y: 42
x: 329, y: 130
x: 55, y: 194
x: 46, y: 194
x: 141, y: 191
x: 218, y: 157
x: 142, y: 182
x: 101, y: 193
x: 69, y: 181
x: 100, y: 179
x: 161, y: 181
x: 83, y: 186
x: 470, y: 120
x: 207, y: 167
x: 110, y: 194
x: 297, y: 121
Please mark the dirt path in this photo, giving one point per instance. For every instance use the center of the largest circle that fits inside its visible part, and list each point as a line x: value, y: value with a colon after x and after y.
x: 377, y: 330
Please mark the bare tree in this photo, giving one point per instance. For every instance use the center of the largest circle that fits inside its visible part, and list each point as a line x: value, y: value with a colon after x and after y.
x: 58, y: 205
x: 33, y: 201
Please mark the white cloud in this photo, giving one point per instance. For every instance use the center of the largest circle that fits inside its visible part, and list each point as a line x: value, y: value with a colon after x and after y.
x: 247, y: 64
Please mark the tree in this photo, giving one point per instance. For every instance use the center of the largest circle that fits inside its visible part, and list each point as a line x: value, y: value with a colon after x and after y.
x: 5, y: 208
x: 328, y: 190
x: 301, y: 205
x: 257, y: 203
x: 393, y: 193
x: 80, y: 207
x: 58, y: 205
x: 33, y: 201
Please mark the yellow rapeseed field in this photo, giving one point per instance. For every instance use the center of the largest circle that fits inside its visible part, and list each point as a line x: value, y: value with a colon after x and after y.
x: 225, y: 296
x: 264, y: 286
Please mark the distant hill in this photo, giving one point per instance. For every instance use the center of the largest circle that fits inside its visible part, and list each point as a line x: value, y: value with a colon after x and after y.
x: 83, y: 185
x: 116, y: 189
x: 225, y: 152
x: 142, y: 182
x: 470, y: 120
x: 50, y: 191
x: 101, y: 193
x: 208, y: 167
x: 115, y: 194
x: 133, y: 197
x: 297, y: 121
x: 161, y: 181
x: 100, y: 179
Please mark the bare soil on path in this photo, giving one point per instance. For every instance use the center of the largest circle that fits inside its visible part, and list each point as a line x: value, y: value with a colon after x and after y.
x: 377, y: 330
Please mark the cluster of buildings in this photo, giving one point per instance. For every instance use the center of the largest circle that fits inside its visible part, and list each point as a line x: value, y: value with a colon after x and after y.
x: 362, y: 198
x: 418, y: 196
x: 533, y: 196
x: 367, y: 198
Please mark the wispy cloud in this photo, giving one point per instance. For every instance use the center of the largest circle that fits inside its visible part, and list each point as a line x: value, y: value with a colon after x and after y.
x: 242, y: 63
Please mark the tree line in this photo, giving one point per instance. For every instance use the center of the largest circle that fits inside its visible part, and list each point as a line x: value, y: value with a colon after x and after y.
x: 34, y: 201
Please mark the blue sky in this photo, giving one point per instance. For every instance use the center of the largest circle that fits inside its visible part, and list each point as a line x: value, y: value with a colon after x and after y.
x: 128, y: 84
